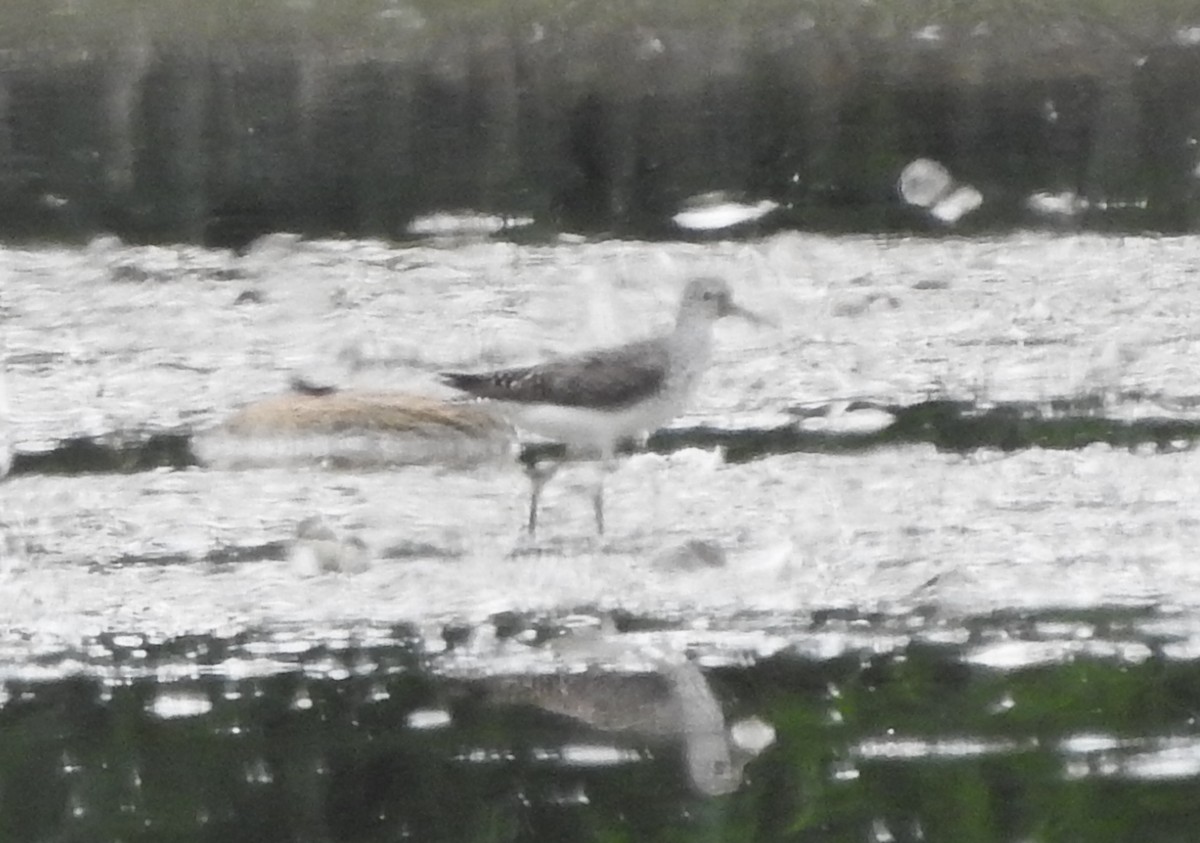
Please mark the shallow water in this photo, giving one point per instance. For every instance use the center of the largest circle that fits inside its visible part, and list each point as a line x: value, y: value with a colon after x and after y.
x: 156, y: 591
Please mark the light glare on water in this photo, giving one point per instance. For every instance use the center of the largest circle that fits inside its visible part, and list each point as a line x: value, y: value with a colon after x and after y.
x: 153, y: 556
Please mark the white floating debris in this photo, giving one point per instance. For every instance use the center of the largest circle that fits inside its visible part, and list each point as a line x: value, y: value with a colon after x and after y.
x: 70, y: 764
x: 596, y: 755
x: 843, y: 771
x: 715, y: 211
x: 487, y: 756
x: 899, y: 749
x: 1005, y: 703
x: 1065, y: 204
x: 752, y: 735
x: 279, y: 644
x: 928, y: 184
x: 173, y: 704
x: 1173, y: 759
x: 923, y: 182
x: 428, y: 718
x: 1188, y: 36
x: 465, y: 224
x: 864, y: 421
x: 257, y: 772
x: 649, y: 47
x: 1085, y: 743
x: 329, y: 668
x: 584, y: 622
x: 880, y: 833
x: 1014, y: 655
x: 957, y: 205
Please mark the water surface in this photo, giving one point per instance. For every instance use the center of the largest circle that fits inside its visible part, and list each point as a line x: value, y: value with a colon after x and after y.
x: 923, y: 643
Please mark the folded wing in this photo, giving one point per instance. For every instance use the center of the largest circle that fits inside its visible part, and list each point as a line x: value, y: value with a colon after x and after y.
x: 610, y: 379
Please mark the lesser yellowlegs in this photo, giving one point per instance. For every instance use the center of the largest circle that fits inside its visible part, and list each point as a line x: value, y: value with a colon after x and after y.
x: 592, y: 401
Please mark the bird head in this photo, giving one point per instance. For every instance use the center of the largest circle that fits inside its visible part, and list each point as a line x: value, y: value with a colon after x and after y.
x: 711, y: 299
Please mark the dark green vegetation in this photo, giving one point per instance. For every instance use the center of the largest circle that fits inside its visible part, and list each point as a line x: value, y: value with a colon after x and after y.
x: 958, y: 426
x: 913, y: 741
x: 218, y: 121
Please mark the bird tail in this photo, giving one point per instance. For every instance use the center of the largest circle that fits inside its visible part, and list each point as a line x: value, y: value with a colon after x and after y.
x: 463, y: 381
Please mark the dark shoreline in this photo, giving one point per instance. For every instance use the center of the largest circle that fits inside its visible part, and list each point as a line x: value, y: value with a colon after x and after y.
x: 218, y: 122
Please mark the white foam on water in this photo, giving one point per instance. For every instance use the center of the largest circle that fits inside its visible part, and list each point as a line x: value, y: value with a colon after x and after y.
x: 174, y: 703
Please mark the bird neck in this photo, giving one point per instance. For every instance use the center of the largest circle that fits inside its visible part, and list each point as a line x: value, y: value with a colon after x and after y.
x: 691, y: 342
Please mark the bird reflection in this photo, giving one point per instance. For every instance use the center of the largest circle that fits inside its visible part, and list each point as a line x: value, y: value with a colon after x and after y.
x: 673, y: 704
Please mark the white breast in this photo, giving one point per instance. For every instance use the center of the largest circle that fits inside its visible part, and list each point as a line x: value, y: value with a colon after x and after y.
x: 593, y: 430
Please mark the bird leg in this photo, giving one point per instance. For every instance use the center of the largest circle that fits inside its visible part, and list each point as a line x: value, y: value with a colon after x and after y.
x: 603, y: 467
x: 539, y: 473
x: 598, y: 505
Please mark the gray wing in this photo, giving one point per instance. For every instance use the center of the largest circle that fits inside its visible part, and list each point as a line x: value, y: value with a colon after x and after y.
x: 610, y: 378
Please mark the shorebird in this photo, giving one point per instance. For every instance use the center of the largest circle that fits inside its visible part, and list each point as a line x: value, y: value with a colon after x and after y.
x: 593, y: 400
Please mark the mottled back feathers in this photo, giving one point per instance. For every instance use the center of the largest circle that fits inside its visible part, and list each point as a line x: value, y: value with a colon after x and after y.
x: 608, y: 379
